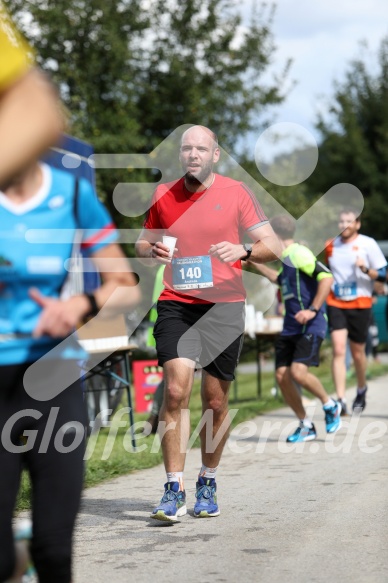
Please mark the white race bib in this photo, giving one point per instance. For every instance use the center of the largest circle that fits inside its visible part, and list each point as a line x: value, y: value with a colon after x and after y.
x: 192, y: 272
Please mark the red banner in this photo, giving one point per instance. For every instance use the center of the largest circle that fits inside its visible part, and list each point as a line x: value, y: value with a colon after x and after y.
x: 146, y: 376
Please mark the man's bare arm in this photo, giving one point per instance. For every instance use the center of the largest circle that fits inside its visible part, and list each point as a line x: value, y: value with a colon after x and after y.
x: 267, y: 246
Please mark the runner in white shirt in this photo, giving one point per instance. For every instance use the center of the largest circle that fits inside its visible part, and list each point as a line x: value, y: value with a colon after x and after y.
x: 355, y: 262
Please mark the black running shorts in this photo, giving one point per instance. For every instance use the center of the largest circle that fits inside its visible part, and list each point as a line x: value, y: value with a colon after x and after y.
x: 302, y: 348
x: 209, y: 334
x: 355, y: 321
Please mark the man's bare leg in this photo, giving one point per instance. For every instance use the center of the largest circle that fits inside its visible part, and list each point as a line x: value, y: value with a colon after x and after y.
x: 360, y: 362
x: 339, y: 339
x: 289, y: 391
x: 360, y: 365
x: 215, y: 394
x: 179, y: 376
x: 301, y: 374
x: 174, y: 431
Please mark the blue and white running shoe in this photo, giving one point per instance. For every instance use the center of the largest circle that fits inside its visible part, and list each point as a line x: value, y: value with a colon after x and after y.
x: 206, y: 505
x: 172, y: 504
x: 302, y: 433
x: 333, y: 418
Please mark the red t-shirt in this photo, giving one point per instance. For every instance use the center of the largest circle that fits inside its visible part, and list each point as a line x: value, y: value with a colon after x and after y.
x: 223, y: 212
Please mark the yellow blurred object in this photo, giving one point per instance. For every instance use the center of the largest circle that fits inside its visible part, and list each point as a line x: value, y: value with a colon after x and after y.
x: 30, y: 118
x: 16, y: 57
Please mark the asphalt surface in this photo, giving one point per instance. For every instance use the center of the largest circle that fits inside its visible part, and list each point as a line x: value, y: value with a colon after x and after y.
x: 312, y: 512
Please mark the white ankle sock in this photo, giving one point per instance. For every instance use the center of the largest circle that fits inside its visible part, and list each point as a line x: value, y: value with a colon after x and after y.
x: 175, y: 477
x: 206, y: 472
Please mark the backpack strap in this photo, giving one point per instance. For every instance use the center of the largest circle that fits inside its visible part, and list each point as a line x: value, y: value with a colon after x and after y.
x: 73, y: 283
x: 75, y: 200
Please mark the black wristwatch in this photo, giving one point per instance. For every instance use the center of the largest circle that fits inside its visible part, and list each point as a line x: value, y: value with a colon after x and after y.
x: 313, y: 309
x: 248, y: 248
x: 94, y: 309
x: 365, y: 270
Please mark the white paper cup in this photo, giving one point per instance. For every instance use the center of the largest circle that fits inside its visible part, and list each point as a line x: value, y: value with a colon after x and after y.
x: 170, y: 243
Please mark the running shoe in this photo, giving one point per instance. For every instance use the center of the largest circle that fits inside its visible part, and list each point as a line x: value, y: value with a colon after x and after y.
x: 359, y: 402
x: 344, y: 409
x: 333, y: 418
x: 206, y: 505
x: 172, y: 504
x: 302, y: 433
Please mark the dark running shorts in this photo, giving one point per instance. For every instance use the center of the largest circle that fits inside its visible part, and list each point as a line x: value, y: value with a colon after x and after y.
x: 356, y: 322
x: 210, y: 334
x: 302, y: 348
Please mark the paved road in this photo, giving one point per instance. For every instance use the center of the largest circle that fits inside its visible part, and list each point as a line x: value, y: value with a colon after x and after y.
x: 315, y: 512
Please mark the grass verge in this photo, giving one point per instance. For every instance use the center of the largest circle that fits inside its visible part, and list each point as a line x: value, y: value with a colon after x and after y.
x: 112, y: 457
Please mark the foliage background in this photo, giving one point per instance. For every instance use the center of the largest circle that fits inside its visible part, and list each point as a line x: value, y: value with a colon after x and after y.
x: 131, y: 71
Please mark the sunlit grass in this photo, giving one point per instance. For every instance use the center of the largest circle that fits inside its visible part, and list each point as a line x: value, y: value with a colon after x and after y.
x: 120, y: 457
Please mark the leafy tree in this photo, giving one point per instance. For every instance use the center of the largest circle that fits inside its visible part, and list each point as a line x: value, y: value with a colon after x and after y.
x: 85, y: 46
x: 294, y: 198
x: 131, y: 71
x: 354, y: 147
x: 204, y: 67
